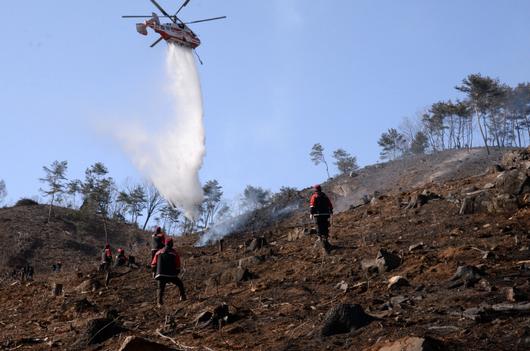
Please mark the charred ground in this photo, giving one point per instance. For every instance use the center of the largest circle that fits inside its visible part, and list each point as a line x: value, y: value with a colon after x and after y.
x: 278, y: 295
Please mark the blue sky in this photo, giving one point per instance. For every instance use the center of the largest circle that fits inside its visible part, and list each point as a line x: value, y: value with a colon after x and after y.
x: 278, y: 77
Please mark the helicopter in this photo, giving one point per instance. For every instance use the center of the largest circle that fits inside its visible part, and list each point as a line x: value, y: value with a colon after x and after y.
x: 176, y: 32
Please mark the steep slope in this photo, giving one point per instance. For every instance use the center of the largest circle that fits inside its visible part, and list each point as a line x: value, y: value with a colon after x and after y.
x: 281, y: 302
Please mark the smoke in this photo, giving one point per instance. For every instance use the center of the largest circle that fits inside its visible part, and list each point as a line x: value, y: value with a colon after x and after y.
x: 249, y: 220
x: 172, y: 158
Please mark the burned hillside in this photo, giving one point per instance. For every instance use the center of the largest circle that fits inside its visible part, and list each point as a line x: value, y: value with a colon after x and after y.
x: 415, y: 268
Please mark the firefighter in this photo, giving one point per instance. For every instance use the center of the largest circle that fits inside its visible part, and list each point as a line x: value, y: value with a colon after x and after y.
x: 106, y: 262
x: 321, y: 210
x: 157, y: 242
x: 166, y: 267
x: 121, y: 259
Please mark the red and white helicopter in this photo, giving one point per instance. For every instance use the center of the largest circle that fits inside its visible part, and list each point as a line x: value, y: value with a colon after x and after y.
x: 176, y: 32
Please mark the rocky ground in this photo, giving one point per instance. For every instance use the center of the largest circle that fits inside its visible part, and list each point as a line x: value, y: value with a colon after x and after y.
x: 443, y: 266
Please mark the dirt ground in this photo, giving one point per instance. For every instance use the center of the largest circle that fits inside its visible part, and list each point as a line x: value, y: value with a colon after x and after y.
x: 291, y: 284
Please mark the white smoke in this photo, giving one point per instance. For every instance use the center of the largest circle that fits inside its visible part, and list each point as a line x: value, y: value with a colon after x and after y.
x: 172, y: 158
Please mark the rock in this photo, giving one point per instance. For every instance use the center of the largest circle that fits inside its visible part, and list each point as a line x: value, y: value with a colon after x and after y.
x: 342, y: 286
x: 370, y: 266
x: 495, y: 169
x: 89, y: 285
x: 295, y: 234
x: 250, y: 261
x: 416, y: 247
x: 516, y: 159
x: 488, y: 255
x: 256, y: 244
x: 512, y: 182
x: 490, y: 312
x: 236, y: 275
x: 387, y: 261
x: 469, y: 275
x: 344, y: 318
x: 418, y: 200
x: 135, y: 343
x: 398, y: 300
x: 216, y: 318
x: 397, y: 282
x: 485, y: 285
x: 412, y: 343
x: 469, y: 189
x: 98, y: 330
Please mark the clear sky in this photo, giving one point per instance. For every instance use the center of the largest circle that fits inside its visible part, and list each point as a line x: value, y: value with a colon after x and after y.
x: 279, y: 76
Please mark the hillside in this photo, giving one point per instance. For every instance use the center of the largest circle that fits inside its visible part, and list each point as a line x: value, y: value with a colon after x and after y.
x: 26, y: 237
x: 460, y: 245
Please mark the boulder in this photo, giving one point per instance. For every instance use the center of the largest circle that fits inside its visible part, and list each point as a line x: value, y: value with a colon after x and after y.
x: 512, y: 182
x: 135, y: 343
x: 387, y: 261
x: 516, y: 159
x: 344, y: 318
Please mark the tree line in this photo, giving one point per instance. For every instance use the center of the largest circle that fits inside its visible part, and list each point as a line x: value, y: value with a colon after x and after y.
x: 491, y: 114
x: 141, y: 203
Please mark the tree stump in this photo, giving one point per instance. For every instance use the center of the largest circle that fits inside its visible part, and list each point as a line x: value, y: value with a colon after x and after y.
x: 57, y: 289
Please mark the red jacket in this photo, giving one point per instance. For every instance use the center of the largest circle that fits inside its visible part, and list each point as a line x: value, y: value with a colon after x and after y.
x: 320, y: 204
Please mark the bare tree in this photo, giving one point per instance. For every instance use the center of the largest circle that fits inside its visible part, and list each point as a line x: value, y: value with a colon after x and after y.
x: 154, y: 201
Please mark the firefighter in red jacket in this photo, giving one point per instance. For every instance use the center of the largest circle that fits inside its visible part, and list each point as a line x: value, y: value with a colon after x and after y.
x: 106, y: 262
x: 166, y: 267
x: 321, y: 210
x: 157, y: 241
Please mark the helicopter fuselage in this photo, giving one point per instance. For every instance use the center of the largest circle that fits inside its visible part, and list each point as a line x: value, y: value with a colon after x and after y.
x: 177, y: 33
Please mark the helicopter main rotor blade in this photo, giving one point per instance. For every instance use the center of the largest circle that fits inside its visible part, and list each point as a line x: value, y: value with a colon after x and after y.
x: 162, y: 10
x: 181, y: 7
x: 206, y: 20
x: 144, y: 16
x: 156, y: 42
